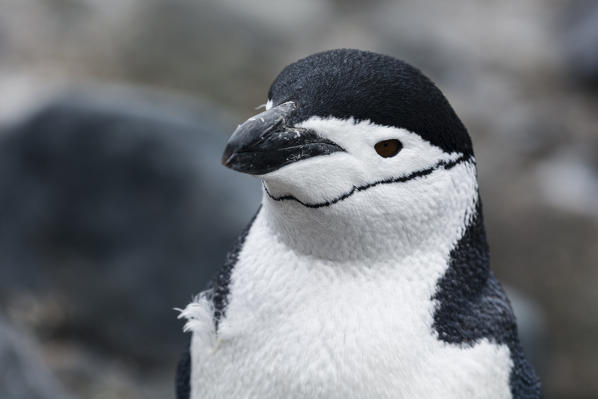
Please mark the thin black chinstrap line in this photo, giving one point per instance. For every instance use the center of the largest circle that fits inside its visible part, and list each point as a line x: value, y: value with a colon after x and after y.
x: 402, y: 179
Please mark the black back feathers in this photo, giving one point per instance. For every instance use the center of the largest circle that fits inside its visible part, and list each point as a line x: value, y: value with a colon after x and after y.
x: 472, y: 305
x: 348, y: 83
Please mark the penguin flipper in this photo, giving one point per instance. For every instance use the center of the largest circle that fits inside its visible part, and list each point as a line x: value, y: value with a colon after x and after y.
x: 523, y: 380
x: 218, y: 290
x: 472, y: 305
x: 217, y: 295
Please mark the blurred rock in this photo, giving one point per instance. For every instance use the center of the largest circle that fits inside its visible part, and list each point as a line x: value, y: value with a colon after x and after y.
x: 580, y: 41
x: 531, y: 326
x: 22, y: 371
x: 571, y: 169
x: 115, y: 210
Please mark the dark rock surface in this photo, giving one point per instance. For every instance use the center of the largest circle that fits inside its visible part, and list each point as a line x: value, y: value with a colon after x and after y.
x: 580, y: 41
x: 116, y: 210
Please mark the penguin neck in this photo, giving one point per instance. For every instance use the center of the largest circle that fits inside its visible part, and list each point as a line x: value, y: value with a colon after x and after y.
x: 340, y: 235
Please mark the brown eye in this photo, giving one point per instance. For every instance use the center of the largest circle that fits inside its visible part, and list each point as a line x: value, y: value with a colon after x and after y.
x: 388, y: 148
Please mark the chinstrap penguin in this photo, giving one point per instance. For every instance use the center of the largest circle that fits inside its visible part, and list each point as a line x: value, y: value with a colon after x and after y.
x: 365, y: 272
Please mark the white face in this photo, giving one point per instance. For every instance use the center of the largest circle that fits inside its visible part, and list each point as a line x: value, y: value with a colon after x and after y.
x: 328, y: 178
x: 420, y: 196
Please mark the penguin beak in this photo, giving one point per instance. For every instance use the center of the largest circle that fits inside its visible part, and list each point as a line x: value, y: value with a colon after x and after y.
x: 266, y: 142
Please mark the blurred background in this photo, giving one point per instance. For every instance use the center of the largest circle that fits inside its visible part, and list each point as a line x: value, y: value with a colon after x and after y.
x: 114, y: 208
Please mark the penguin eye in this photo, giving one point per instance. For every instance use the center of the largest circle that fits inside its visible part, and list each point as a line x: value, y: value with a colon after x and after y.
x: 388, y: 148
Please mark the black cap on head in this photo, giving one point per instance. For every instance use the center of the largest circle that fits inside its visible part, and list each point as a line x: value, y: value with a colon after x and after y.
x: 348, y: 83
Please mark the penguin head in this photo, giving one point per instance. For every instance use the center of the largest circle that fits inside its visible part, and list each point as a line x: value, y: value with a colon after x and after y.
x: 349, y: 126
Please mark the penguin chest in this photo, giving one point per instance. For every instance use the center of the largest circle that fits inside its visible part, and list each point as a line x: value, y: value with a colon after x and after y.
x: 323, y: 336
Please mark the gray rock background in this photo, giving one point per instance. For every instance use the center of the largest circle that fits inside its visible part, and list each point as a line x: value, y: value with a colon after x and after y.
x: 23, y: 374
x: 114, y: 209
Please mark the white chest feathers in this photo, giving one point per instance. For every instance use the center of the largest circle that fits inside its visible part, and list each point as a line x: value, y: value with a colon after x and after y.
x: 300, y: 327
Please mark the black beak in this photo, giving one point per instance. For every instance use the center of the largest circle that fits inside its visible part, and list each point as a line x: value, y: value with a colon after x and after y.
x: 266, y: 142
